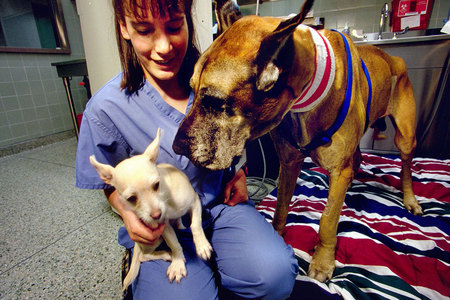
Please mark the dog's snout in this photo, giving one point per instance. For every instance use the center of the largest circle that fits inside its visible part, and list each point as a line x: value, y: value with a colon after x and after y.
x: 156, y: 215
x: 181, y: 142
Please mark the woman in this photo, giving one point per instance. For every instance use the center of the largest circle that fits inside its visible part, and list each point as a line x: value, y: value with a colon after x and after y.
x: 157, y: 53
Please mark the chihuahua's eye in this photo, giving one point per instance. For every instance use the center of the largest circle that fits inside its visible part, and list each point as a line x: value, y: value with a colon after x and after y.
x: 156, y: 186
x: 132, y: 199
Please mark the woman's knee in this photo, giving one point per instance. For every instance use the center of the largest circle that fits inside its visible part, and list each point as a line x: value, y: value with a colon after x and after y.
x: 152, y: 282
x: 252, y: 259
x: 280, y: 277
x: 274, y: 275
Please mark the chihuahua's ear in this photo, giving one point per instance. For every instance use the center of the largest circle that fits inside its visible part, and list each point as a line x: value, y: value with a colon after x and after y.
x: 152, y: 150
x: 104, y: 171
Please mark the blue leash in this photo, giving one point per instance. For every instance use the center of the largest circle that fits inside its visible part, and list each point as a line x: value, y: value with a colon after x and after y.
x: 325, y: 137
x: 369, y: 101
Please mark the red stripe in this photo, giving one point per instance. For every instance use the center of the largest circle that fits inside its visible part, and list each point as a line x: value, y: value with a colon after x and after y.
x: 323, y: 83
x: 308, y: 240
x: 432, y: 190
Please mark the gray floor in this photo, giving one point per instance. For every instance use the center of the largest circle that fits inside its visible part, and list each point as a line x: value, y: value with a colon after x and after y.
x: 56, y: 241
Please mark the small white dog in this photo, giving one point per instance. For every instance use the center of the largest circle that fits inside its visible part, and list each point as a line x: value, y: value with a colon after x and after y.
x: 158, y: 194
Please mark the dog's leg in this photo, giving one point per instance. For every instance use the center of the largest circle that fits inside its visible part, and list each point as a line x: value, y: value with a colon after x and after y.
x: 357, y: 158
x: 177, y: 268
x: 179, y: 224
x: 403, y: 113
x: 409, y: 200
x: 202, y: 246
x: 155, y: 255
x: 322, y: 264
x: 287, y: 179
x: 291, y: 161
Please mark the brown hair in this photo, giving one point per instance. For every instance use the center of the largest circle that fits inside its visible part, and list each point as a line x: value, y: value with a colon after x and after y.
x: 133, y: 76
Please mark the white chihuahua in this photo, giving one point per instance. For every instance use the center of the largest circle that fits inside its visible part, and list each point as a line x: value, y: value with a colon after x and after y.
x: 158, y: 194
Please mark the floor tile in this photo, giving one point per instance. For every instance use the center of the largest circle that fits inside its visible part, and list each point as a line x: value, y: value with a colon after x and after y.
x: 56, y: 241
x: 83, y: 264
x: 39, y: 204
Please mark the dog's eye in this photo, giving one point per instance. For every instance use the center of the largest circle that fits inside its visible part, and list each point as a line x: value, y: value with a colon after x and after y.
x: 132, y: 199
x: 213, y: 103
x: 156, y: 186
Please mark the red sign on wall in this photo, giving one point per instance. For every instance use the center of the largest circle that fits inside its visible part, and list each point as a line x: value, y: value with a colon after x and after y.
x: 412, y: 7
x: 414, y: 14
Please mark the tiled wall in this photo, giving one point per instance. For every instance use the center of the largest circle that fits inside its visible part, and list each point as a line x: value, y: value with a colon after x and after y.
x: 33, y: 102
x: 358, y: 14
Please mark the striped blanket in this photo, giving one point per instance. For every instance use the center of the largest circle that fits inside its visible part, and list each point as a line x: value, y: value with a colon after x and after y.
x: 383, y: 251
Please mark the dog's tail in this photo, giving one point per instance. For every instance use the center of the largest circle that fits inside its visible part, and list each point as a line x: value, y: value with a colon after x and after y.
x: 134, y: 269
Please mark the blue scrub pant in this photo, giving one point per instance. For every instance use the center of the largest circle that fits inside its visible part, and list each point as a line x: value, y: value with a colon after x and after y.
x: 250, y: 260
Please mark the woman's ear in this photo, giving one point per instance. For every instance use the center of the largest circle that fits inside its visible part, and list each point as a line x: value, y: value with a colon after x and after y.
x: 124, y: 29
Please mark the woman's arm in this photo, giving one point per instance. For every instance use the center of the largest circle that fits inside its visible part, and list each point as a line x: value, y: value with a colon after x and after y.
x: 235, y: 190
x: 137, y: 230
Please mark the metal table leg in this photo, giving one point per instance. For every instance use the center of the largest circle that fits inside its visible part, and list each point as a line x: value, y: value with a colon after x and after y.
x: 66, y: 81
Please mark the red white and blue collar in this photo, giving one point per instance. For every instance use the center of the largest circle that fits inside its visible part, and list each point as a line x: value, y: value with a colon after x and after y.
x: 317, y: 89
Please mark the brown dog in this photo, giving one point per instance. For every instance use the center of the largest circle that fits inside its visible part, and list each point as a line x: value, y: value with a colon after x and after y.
x: 248, y: 82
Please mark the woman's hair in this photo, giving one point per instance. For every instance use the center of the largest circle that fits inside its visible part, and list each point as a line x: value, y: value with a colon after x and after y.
x: 133, y: 76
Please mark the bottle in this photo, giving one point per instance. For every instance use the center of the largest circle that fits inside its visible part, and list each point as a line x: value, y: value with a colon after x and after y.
x: 346, y: 29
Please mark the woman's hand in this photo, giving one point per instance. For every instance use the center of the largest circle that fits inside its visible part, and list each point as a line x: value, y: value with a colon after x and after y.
x: 235, y: 191
x: 137, y: 230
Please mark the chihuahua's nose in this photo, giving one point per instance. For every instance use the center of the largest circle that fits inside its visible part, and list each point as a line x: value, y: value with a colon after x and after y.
x: 156, y: 215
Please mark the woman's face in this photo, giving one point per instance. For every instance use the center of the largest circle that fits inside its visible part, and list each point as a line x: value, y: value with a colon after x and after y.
x: 159, y: 42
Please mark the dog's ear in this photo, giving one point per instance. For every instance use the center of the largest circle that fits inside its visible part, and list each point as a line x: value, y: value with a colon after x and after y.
x: 104, y: 171
x: 227, y: 12
x: 271, y: 58
x: 152, y: 150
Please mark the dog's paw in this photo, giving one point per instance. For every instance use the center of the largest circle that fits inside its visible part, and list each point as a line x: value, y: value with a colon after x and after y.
x: 176, y: 270
x: 319, y: 273
x: 413, y: 206
x: 322, y: 265
x: 203, y: 247
x: 416, y: 210
x: 204, y: 251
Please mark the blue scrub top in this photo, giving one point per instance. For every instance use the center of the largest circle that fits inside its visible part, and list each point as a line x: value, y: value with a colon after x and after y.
x: 117, y: 125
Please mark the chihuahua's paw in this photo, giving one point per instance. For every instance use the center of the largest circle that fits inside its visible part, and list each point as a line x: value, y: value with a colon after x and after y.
x: 176, y: 270
x: 203, y: 247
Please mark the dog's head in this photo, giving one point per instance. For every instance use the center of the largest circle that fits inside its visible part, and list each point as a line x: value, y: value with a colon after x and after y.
x: 137, y: 181
x: 239, y: 85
